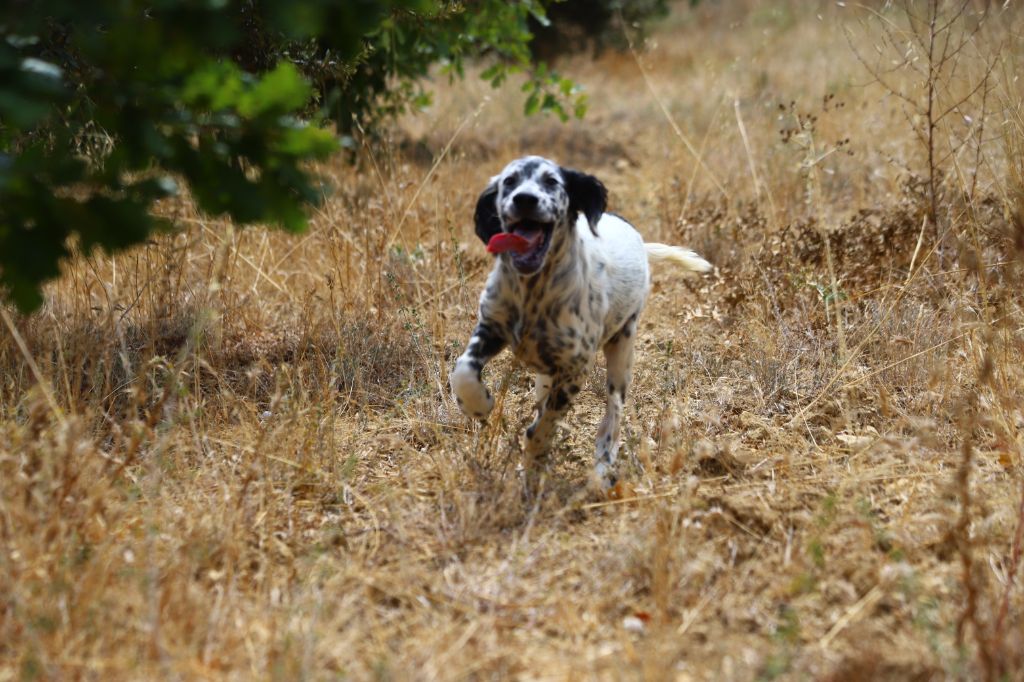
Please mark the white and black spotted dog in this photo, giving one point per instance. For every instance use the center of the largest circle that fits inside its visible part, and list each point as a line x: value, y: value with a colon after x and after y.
x: 577, y: 283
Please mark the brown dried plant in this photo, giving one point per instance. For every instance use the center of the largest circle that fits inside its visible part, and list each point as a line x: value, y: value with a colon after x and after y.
x: 233, y: 455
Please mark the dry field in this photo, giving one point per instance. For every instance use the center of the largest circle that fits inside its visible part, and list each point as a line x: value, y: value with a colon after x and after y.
x: 232, y: 454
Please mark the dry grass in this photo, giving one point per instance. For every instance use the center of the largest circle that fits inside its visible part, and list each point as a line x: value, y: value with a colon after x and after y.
x: 242, y: 461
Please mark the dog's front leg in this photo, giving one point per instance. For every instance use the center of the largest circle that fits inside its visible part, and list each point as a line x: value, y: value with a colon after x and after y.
x: 558, y: 399
x: 467, y: 384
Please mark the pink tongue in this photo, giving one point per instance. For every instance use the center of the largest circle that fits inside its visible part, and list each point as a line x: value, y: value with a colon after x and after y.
x: 505, y: 241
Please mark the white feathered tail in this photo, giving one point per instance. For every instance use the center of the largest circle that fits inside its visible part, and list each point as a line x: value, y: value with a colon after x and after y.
x: 657, y: 253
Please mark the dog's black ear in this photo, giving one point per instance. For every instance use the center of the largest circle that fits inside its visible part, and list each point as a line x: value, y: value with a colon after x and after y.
x: 586, y: 194
x: 486, y: 217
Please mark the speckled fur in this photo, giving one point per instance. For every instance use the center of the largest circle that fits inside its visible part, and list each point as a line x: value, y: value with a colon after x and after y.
x: 586, y: 295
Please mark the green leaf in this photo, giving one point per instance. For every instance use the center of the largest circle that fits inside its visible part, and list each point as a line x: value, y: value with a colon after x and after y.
x: 532, y: 105
x: 307, y: 142
x: 491, y: 72
x: 215, y: 86
x: 279, y: 92
x: 580, y: 106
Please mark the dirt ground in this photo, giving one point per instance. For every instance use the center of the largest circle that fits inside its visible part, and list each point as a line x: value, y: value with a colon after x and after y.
x: 232, y: 454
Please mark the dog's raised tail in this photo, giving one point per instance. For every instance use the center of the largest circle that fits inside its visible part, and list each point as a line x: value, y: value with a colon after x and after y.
x: 657, y: 253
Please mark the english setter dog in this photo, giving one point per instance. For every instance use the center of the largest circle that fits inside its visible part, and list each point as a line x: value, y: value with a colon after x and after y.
x: 569, y: 279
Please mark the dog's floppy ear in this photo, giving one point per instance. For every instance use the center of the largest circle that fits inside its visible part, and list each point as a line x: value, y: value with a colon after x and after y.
x: 486, y: 217
x: 586, y: 194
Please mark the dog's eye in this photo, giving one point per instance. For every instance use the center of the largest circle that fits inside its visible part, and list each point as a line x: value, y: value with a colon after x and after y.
x: 509, y: 181
x: 550, y: 181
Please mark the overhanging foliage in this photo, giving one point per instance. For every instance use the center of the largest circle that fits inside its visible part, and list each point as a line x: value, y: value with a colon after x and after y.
x: 107, y: 105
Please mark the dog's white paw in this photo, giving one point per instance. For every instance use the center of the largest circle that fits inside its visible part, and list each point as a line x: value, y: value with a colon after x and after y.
x: 470, y: 393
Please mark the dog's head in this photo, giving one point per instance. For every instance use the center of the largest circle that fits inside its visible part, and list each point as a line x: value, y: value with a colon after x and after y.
x: 538, y: 200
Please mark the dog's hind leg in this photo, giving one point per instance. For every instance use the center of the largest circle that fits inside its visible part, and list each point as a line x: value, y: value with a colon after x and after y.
x: 618, y: 353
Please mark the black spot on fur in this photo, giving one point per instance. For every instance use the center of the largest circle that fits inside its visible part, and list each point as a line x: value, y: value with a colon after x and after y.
x: 547, y: 355
x: 560, y: 277
x: 559, y: 400
x: 487, y: 342
x: 625, y: 331
x: 528, y: 167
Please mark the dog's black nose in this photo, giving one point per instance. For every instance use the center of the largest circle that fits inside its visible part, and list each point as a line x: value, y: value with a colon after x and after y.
x: 524, y: 201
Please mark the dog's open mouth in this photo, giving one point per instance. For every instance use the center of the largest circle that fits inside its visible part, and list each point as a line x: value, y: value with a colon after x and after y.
x: 531, y: 240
